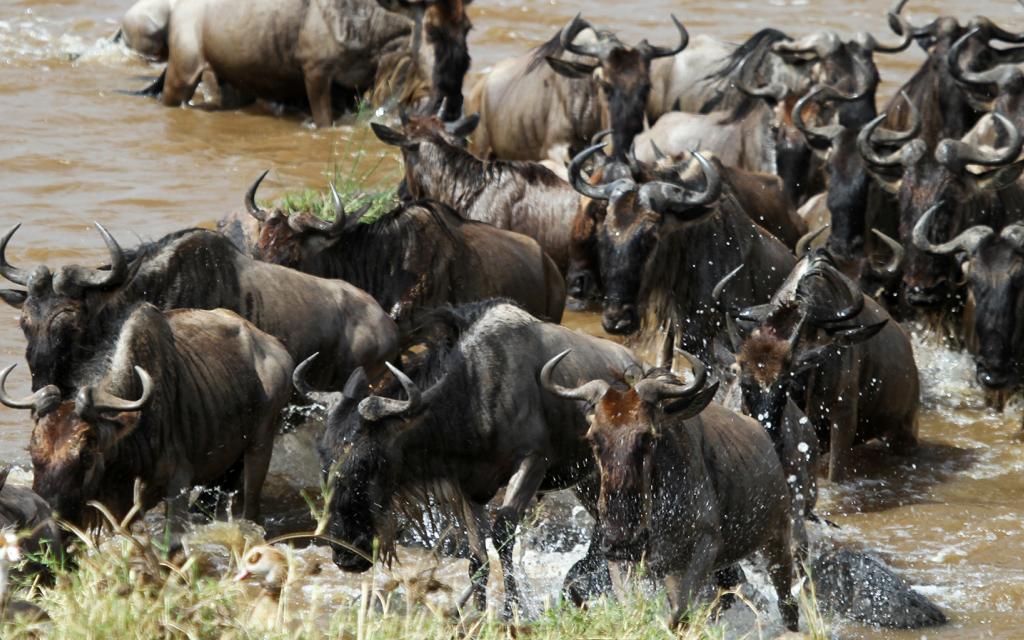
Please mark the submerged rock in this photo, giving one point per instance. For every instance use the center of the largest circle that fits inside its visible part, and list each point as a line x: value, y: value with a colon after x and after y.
x: 860, y: 587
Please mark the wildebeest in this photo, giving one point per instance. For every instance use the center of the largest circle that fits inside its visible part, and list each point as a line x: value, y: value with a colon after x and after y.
x: 66, y: 315
x: 759, y: 195
x: 993, y: 265
x: 663, y: 245
x: 687, y: 495
x: 144, y: 28
x: 838, y: 353
x: 23, y: 511
x: 996, y: 90
x: 417, y: 256
x: 300, y: 52
x: 548, y: 103
x: 856, y: 203
x: 473, y: 427
x: 177, y: 400
x: 921, y: 177
x: 525, y: 197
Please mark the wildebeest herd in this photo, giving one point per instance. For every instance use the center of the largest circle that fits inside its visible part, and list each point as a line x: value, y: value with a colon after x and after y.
x: 752, y: 204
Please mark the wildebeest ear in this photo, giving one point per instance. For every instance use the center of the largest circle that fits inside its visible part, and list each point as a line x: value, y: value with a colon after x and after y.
x: 854, y: 335
x: 689, y: 407
x: 570, y: 69
x: 387, y: 135
x: 14, y: 297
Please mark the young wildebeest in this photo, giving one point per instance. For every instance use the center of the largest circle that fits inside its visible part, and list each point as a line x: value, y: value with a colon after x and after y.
x: 835, y: 350
x: 482, y: 423
x: 550, y: 102
x: 418, y: 256
x: 687, y: 495
x: 298, y: 52
x: 663, y: 245
x: 993, y: 264
x: 179, y: 399
x: 525, y: 197
x: 67, y: 315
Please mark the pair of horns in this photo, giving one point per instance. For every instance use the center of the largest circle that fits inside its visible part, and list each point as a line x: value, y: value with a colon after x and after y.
x: 967, y: 241
x: 650, y: 390
x: 302, y: 223
x: 82, y: 277
x: 607, y: 43
x: 89, y: 403
x: 372, y: 408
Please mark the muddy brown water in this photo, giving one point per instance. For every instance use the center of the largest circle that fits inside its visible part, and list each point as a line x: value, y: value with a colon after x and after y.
x: 74, y: 150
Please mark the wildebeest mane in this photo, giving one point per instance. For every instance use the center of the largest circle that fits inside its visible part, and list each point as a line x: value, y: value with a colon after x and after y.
x: 727, y: 97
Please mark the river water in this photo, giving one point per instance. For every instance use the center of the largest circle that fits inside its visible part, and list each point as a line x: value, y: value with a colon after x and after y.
x: 74, y: 150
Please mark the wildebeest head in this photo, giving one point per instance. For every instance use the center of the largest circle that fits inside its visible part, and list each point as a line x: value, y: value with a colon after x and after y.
x: 808, y: 319
x: 53, y: 308
x: 360, y: 462
x: 417, y: 131
x: 623, y: 74
x: 625, y: 423
x: 71, y: 439
x: 849, y: 185
x: 1000, y: 88
x: 993, y: 264
x: 921, y: 179
x: 638, y: 216
x: 291, y: 240
x: 442, y: 26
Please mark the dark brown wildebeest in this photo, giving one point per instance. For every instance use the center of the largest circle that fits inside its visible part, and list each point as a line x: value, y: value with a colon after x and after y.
x: 418, y: 256
x: 921, y: 178
x: 23, y: 511
x: 524, y: 197
x: 855, y: 202
x: 551, y: 101
x: 687, y: 495
x: 758, y: 194
x: 511, y: 434
x: 993, y: 264
x: 850, y: 368
x: 297, y: 52
x: 946, y: 109
x: 663, y: 245
x: 66, y: 316
x: 177, y: 400
x: 996, y: 90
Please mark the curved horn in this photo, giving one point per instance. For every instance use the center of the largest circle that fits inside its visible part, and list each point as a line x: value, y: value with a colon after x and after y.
x: 891, y: 268
x: 843, y: 314
x: 599, y: 137
x: 302, y: 386
x: 867, y: 151
x: 716, y: 293
x: 888, y: 136
x: 589, y: 392
x: 28, y: 402
x: 573, y: 29
x: 377, y: 408
x: 15, y: 275
x: 804, y: 243
x: 96, y: 401
x: 900, y: 27
x: 97, y: 278
x: 775, y: 91
x: 995, y: 32
x: 250, y: 199
x: 442, y: 109
x: 955, y: 153
x: 896, y: 11
x: 332, y: 228
x: 594, y: 192
x: 652, y: 390
x: 1014, y: 234
x: 664, y: 197
x: 967, y: 241
x: 650, y: 51
x: 816, y: 135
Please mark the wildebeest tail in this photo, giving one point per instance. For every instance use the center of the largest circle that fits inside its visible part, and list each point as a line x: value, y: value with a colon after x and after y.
x: 153, y: 90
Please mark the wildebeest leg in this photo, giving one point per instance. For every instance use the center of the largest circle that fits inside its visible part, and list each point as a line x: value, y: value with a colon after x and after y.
x: 184, y: 70
x: 318, y: 92
x: 729, y: 578
x: 589, y: 577
x: 475, y: 517
x: 257, y: 462
x: 521, y: 488
x: 780, y: 570
x: 682, y: 588
x: 843, y: 432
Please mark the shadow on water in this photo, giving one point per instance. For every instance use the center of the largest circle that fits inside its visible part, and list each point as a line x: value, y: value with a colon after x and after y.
x: 886, y: 480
